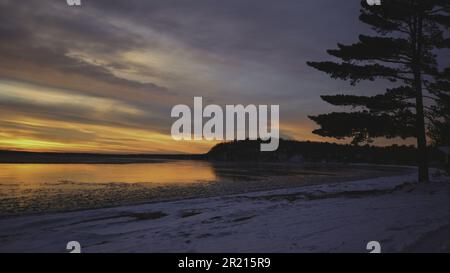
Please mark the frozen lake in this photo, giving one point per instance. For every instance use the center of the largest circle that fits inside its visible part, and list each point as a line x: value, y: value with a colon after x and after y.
x: 35, y: 188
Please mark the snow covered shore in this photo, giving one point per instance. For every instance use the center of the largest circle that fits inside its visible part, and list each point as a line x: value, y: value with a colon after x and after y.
x: 402, y: 215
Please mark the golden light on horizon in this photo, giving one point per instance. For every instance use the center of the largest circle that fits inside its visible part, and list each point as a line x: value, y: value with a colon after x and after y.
x: 102, y: 138
x: 65, y: 121
x: 82, y: 123
x: 91, y: 126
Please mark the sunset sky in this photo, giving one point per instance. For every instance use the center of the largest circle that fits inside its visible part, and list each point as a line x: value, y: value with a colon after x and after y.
x: 103, y: 77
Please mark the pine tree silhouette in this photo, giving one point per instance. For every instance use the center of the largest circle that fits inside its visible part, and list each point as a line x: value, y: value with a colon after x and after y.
x: 403, y: 52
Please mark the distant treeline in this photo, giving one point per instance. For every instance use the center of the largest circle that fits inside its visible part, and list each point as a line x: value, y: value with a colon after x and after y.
x: 91, y: 158
x: 297, y: 151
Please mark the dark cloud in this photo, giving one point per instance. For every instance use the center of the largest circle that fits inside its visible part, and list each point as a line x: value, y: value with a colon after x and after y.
x: 281, y: 33
x: 40, y: 33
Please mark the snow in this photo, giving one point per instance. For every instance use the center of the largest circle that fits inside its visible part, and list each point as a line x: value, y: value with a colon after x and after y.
x: 445, y: 150
x: 401, y: 214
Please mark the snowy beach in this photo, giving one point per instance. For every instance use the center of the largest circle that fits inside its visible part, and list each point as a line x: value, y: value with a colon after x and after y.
x: 396, y: 211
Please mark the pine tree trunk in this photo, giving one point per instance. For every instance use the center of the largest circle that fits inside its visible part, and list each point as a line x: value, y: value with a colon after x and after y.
x: 421, y: 138
x: 420, y: 117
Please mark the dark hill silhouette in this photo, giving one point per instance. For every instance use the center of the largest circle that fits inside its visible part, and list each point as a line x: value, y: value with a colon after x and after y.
x: 297, y: 151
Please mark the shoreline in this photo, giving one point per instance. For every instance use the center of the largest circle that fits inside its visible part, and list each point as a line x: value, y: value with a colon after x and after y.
x: 229, y: 181
x: 331, y: 217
